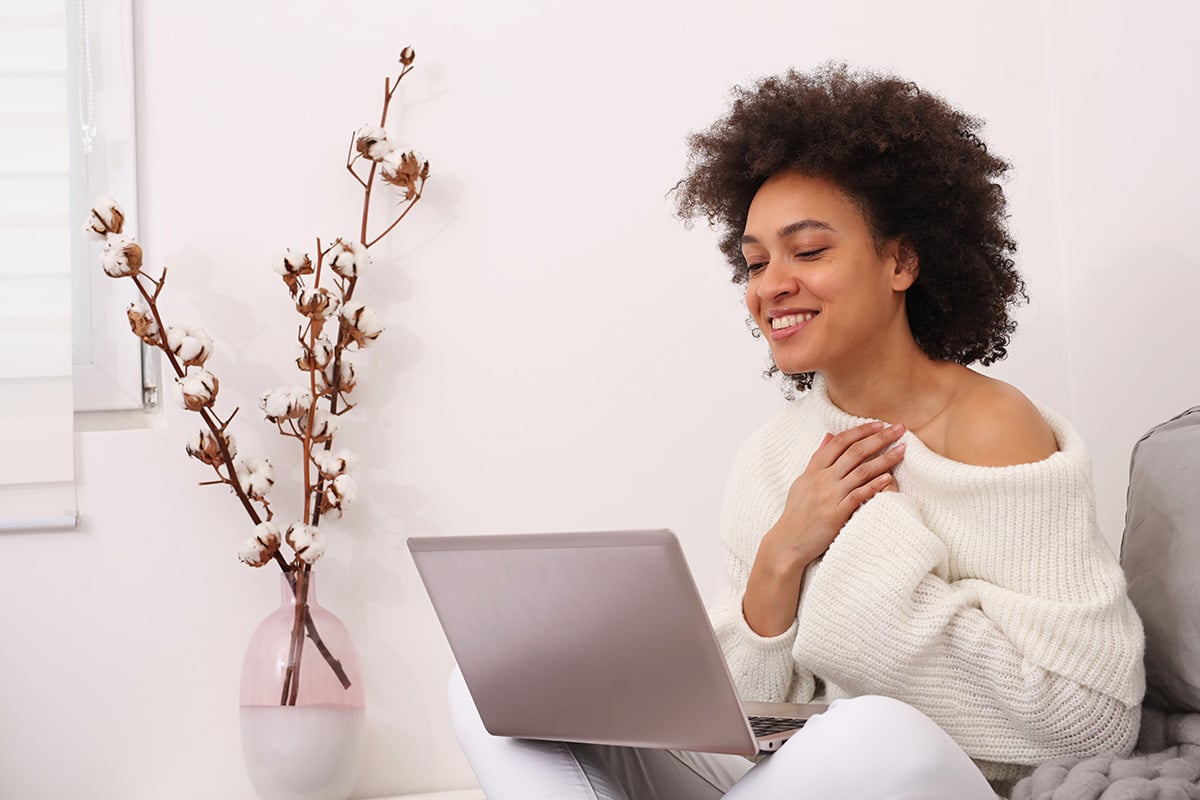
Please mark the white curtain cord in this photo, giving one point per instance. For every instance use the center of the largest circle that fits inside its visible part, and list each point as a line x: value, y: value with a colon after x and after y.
x: 87, y: 100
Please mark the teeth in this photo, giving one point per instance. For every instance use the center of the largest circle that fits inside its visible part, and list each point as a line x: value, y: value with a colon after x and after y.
x: 792, y: 319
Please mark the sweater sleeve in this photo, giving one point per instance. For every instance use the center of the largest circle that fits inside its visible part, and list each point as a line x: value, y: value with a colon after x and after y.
x: 763, y: 668
x: 1034, y: 652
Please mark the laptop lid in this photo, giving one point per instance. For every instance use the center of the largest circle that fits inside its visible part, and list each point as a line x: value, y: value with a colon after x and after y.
x: 584, y: 637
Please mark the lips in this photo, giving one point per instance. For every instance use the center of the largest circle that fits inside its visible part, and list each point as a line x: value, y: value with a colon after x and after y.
x: 785, y: 322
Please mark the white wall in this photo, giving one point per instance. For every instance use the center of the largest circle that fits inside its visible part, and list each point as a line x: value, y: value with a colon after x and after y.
x: 561, y: 353
x: 1124, y: 119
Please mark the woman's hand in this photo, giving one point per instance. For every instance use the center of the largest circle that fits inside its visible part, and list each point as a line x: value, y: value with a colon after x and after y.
x: 845, y: 471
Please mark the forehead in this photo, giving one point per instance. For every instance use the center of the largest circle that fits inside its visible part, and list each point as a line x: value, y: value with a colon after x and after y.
x: 789, y: 197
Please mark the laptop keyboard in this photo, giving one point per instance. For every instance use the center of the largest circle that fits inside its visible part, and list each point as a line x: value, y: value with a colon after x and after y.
x: 765, y: 726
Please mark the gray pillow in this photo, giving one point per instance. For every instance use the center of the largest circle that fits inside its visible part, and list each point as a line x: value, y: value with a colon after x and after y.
x: 1160, y: 553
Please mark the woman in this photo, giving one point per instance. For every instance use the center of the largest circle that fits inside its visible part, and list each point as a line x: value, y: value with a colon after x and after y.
x: 909, y: 533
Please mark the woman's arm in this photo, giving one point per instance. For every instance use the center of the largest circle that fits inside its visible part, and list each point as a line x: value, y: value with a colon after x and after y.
x: 755, y: 616
x: 845, y: 471
x: 1035, y: 655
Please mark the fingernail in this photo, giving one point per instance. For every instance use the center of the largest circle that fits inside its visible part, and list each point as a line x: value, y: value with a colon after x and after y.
x: 876, y: 425
x: 897, y: 428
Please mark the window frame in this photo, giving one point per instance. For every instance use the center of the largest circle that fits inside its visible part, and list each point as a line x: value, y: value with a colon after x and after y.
x: 112, y: 370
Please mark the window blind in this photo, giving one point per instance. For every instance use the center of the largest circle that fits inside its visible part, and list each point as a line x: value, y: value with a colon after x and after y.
x: 37, y: 487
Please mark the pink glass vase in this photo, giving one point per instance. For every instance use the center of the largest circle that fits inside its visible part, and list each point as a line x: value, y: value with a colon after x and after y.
x: 302, y: 702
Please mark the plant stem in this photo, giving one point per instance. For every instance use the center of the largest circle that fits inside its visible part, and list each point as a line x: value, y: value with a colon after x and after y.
x: 389, y: 88
x: 396, y: 221
x: 291, y: 680
x: 205, y: 414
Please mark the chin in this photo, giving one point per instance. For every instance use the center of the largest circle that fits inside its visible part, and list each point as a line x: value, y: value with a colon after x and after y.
x: 791, y: 366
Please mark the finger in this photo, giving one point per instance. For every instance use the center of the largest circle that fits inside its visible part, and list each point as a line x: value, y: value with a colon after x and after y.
x: 867, y: 448
x: 864, y: 493
x: 874, y: 467
x: 840, y: 443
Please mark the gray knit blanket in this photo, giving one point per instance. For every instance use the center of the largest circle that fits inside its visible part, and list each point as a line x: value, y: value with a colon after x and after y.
x: 1165, y: 766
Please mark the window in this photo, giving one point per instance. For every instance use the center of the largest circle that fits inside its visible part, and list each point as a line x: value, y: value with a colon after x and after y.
x: 62, y: 141
x: 37, y: 483
x: 107, y: 360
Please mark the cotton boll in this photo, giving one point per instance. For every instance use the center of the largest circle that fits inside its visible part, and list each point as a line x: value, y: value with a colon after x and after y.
x: 404, y: 170
x: 348, y: 258
x: 314, y: 551
x: 256, y: 476
x: 291, y: 265
x: 371, y: 142
x: 347, y: 375
x: 340, y: 492
x: 346, y: 487
x: 289, y: 402
x: 293, y: 262
x: 203, y: 446
x: 361, y: 325
x: 301, y: 399
x: 330, y: 465
x: 324, y: 425
x: 121, y: 257
x: 394, y: 160
x: 316, y: 303
x: 306, y: 540
x: 253, y: 553
x: 192, y: 346
x: 111, y: 213
x: 315, y: 356
x: 196, y: 390
x: 142, y: 322
x: 262, y: 546
x: 274, y: 404
x: 104, y: 218
x: 379, y: 149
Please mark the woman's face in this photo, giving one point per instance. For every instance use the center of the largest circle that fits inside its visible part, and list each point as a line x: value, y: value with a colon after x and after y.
x: 824, y: 296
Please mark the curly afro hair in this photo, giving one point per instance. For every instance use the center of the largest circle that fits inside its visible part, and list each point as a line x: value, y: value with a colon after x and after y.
x: 916, y: 168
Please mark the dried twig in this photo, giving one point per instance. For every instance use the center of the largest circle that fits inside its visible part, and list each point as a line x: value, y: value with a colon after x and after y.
x: 297, y: 413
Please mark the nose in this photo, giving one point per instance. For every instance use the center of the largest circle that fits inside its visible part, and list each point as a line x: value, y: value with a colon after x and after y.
x: 775, y: 280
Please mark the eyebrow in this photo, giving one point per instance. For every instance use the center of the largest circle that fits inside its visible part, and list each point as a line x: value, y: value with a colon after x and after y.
x: 795, y: 227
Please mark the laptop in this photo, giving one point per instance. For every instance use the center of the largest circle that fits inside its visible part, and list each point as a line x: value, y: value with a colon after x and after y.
x: 592, y: 637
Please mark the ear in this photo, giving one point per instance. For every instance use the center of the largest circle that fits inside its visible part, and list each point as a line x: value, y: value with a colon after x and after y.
x: 906, y: 264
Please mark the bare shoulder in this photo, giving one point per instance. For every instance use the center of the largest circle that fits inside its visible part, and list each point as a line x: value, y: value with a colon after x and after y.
x: 992, y: 424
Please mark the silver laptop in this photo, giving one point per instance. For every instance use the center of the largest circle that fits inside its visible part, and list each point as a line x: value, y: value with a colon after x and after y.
x: 592, y: 637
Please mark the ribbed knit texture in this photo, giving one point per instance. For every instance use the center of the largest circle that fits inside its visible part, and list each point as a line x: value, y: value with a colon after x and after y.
x: 986, y: 597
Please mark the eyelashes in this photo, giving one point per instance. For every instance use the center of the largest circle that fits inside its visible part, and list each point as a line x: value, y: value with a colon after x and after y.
x: 803, y: 255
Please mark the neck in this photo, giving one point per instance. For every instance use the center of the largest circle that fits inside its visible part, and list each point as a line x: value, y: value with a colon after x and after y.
x: 897, y: 385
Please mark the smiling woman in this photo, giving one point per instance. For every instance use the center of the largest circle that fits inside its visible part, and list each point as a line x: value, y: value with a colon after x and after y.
x: 811, y: 254
x: 914, y: 147
x: 910, y: 541
x: 871, y: 547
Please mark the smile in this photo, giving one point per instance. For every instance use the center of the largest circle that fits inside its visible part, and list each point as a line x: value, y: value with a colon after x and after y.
x: 792, y: 320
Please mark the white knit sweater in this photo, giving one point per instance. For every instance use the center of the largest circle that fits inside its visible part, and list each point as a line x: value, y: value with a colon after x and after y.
x: 986, y: 597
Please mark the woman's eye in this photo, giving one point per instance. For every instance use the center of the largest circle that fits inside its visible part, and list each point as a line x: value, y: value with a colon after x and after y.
x: 755, y: 266
x: 811, y: 253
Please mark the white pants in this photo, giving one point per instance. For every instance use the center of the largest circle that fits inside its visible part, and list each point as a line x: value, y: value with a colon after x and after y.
x: 868, y: 748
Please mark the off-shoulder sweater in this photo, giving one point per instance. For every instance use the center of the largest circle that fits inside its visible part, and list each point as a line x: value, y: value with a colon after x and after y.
x: 986, y: 597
